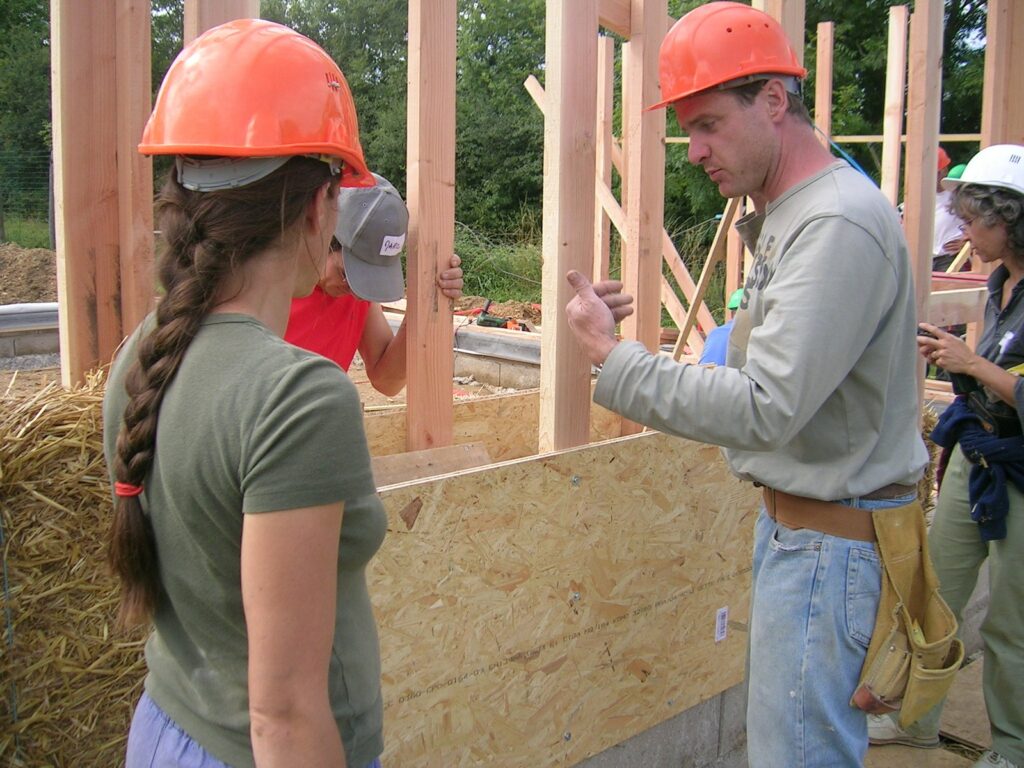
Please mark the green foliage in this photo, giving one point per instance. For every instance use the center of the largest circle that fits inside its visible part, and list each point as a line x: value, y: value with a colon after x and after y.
x: 499, y: 268
x: 27, y: 232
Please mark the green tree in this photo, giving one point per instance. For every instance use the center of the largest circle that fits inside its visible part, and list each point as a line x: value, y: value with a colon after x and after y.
x: 24, y: 105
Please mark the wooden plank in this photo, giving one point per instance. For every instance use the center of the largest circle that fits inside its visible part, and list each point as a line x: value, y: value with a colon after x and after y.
x: 1002, y: 113
x: 823, y: 80
x: 416, y: 465
x: 961, y: 258
x: 644, y: 194
x: 431, y: 198
x: 603, y: 163
x: 790, y: 14
x: 201, y: 15
x: 895, y: 88
x: 715, y: 255
x: 613, y: 15
x: 134, y: 171
x: 85, y: 180
x: 523, y: 623
x: 961, y: 305
x: 569, y: 179
x: 506, y: 425
x: 964, y: 717
x: 924, y: 95
x: 733, y: 265
x: 877, y: 138
x: 705, y: 321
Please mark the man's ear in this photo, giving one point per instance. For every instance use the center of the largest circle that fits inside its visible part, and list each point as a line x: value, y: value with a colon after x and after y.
x: 777, y: 99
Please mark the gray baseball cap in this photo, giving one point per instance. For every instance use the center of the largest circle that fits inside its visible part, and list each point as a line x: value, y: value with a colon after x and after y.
x: 372, y: 225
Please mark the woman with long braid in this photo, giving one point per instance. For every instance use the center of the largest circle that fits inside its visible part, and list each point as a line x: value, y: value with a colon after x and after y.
x: 245, y: 508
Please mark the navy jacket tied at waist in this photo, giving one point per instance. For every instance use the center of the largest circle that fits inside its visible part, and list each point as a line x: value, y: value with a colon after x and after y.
x: 994, y: 460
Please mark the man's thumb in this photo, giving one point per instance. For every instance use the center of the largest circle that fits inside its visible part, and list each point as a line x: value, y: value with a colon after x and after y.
x: 579, y: 282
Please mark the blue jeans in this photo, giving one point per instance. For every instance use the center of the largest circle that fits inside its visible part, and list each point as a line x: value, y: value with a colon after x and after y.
x: 156, y: 741
x: 813, y: 605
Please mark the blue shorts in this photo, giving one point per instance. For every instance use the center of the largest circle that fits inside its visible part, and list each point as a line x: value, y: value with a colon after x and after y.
x: 156, y: 741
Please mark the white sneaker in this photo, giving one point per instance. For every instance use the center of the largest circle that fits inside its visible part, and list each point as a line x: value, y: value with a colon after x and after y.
x: 883, y: 729
x: 993, y: 760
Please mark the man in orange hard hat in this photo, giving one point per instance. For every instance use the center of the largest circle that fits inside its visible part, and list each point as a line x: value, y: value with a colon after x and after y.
x: 817, y: 402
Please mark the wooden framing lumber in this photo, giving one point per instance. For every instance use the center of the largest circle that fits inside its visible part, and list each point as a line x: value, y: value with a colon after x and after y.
x: 923, y: 97
x: 734, y: 270
x: 606, y: 200
x: 823, y: 80
x: 523, y: 621
x: 431, y: 198
x: 201, y: 15
x: 505, y: 425
x: 415, y: 465
x: 614, y: 15
x: 790, y: 14
x: 85, y: 141
x: 895, y: 86
x: 569, y: 179
x: 605, y: 103
x: 960, y: 305
x: 134, y: 171
x: 1002, y: 113
x: 715, y: 255
x: 644, y: 170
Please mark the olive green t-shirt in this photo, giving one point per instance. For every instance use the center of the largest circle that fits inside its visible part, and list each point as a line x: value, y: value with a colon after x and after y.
x: 251, y: 424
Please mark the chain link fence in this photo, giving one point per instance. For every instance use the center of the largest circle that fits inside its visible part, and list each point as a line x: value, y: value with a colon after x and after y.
x: 25, y: 199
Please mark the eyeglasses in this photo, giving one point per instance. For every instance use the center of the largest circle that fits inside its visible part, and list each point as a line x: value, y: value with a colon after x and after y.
x: 967, y: 225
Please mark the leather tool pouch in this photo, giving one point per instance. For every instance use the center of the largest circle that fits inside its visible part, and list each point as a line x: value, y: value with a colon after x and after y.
x: 914, y: 654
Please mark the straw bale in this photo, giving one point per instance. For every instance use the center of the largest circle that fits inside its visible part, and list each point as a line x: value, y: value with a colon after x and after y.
x: 68, y: 677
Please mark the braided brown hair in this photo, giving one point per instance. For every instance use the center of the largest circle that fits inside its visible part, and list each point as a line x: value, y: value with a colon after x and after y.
x: 207, y: 236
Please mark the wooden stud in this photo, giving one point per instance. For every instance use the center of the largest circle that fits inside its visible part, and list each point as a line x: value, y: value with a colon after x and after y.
x: 644, y: 192
x: 201, y: 15
x: 923, y: 98
x: 569, y: 179
x: 85, y: 142
x: 134, y: 171
x: 733, y: 265
x: 614, y: 16
x: 823, y: 80
x: 790, y: 14
x: 416, y: 465
x: 895, y: 87
x: 615, y: 213
x: 605, y: 103
x: 960, y: 305
x: 1002, y: 113
x: 431, y: 199
x: 715, y: 255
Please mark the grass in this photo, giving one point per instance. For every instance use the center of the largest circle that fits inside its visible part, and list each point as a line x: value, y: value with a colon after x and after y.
x: 27, y: 232
x: 501, y: 269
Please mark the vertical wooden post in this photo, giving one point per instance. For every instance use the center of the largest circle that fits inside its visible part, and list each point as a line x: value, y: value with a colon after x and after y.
x: 895, y: 85
x: 201, y: 15
x: 823, y: 80
x: 734, y: 272
x: 431, y: 198
x: 134, y: 171
x: 569, y: 183
x: 790, y: 14
x: 605, y: 102
x: 923, y: 100
x: 85, y: 177
x: 644, y: 193
x: 1002, y: 110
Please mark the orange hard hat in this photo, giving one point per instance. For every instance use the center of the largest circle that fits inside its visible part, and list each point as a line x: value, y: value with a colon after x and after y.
x: 718, y: 43
x: 252, y: 88
x: 944, y: 160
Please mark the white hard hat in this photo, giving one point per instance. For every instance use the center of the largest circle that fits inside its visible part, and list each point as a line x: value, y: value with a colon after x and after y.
x: 1000, y: 165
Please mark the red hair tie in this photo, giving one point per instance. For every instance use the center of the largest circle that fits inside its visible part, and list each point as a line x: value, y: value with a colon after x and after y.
x: 126, y: 490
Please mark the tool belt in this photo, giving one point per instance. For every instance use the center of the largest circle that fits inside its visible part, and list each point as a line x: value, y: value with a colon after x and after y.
x: 914, y: 654
x: 825, y: 516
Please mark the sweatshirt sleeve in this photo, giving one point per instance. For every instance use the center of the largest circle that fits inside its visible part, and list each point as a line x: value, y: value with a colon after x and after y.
x: 824, y: 303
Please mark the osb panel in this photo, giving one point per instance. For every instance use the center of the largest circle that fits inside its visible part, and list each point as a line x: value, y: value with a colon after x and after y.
x: 539, y: 611
x: 505, y: 424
